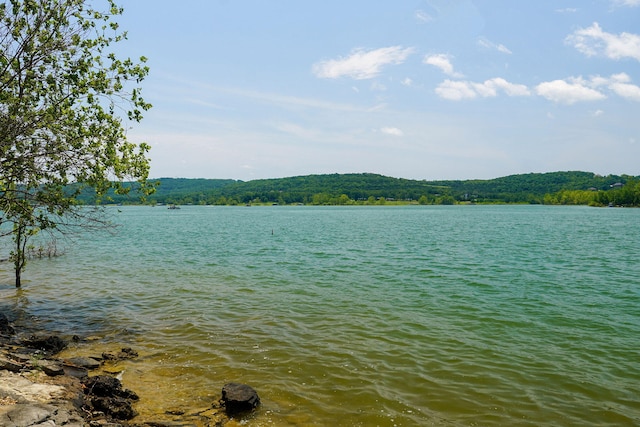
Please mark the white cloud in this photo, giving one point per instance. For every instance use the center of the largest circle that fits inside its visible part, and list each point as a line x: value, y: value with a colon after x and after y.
x: 578, y: 89
x: 423, y: 16
x: 443, y: 62
x: 598, y: 113
x: 361, y: 64
x: 487, y: 44
x: 567, y: 10
x: 510, y: 89
x: 593, y: 41
x: 407, y: 82
x: 630, y: 3
x: 626, y: 90
x: 392, y: 131
x: 568, y: 93
x: 456, y: 90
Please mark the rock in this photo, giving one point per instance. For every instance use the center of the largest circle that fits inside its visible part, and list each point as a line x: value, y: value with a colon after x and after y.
x: 23, y: 390
x: 124, y: 354
x: 51, y: 344
x: 41, y: 415
x: 128, y: 353
x: 10, y: 365
x: 115, y: 407
x: 106, y: 386
x: 24, y: 415
x: 24, y: 358
x: 50, y: 367
x: 17, y: 362
x: 83, y: 362
x: 75, y: 371
x: 105, y: 394
x: 238, y: 398
x: 5, y: 327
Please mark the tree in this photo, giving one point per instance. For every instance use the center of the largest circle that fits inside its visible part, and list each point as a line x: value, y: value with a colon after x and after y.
x: 64, y: 100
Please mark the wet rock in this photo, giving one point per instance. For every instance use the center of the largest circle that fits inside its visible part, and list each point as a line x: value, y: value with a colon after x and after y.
x: 51, y: 344
x: 83, y: 362
x: 128, y: 353
x: 237, y: 398
x: 116, y: 407
x: 75, y: 371
x: 105, y: 394
x: 106, y: 386
x: 124, y: 354
x: 50, y: 367
x: 5, y: 327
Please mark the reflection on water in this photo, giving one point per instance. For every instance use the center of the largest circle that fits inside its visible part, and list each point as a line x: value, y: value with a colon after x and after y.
x: 463, y: 315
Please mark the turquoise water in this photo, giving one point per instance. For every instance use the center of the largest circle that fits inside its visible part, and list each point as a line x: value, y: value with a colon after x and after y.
x: 415, y: 315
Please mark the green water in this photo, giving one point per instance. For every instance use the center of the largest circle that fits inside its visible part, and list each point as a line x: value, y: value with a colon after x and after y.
x: 453, y: 316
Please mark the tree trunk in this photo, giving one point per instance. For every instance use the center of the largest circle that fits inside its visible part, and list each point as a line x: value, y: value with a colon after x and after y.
x: 19, y: 257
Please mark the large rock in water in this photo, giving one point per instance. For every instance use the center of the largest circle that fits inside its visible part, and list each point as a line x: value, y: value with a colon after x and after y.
x: 238, y: 398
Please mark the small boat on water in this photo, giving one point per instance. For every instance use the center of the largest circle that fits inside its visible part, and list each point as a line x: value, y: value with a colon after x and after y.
x: 173, y: 207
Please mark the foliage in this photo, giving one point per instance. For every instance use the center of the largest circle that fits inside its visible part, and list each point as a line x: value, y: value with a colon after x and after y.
x: 618, y: 194
x: 528, y: 188
x: 169, y: 191
x: 372, y: 189
x: 63, y: 92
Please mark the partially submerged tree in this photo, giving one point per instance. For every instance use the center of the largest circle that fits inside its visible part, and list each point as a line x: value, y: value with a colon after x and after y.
x: 64, y: 100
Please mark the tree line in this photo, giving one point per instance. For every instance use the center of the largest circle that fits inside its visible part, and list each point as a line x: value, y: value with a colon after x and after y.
x: 372, y: 189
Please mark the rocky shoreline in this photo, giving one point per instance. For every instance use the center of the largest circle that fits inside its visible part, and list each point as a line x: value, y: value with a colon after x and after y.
x: 39, y: 389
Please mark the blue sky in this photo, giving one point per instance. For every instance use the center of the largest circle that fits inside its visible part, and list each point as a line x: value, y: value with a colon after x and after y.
x: 419, y: 89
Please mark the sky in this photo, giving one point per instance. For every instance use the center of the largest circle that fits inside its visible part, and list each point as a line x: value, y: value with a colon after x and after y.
x: 417, y: 89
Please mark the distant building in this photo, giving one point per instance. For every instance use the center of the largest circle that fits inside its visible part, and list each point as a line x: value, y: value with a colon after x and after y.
x: 617, y: 185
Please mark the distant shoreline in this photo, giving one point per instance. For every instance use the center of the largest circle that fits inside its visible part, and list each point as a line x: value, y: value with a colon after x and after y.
x: 561, y: 188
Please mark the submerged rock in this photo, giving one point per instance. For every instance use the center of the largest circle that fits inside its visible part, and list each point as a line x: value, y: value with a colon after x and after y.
x: 124, y: 354
x: 5, y: 327
x: 237, y: 398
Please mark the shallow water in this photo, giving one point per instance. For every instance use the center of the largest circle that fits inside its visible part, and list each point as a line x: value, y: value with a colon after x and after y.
x: 461, y: 315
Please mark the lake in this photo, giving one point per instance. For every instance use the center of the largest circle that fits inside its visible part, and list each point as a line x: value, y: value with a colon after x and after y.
x: 362, y: 316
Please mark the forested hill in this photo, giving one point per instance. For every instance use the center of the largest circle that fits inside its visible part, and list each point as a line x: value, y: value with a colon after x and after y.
x: 554, y: 187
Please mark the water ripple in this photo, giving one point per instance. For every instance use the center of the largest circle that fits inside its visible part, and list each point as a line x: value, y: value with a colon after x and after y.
x: 448, y: 316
